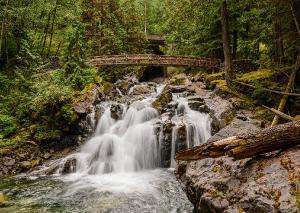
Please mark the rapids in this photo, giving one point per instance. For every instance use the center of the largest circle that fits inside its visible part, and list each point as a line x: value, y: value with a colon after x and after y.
x: 119, y: 168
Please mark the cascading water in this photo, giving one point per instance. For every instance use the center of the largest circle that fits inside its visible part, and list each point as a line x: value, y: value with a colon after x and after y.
x: 126, y: 145
x: 197, y: 125
x: 117, y: 170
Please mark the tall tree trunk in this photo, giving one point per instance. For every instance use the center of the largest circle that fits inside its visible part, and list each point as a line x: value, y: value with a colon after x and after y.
x: 58, y: 47
x: 226, y: 44
x: 235, y: 44
x: 46, y: 33
x: 277, y: 32
x: 52, y: 28
x: 295, y: 17
x: 3, y: 27
x: 288, y: 88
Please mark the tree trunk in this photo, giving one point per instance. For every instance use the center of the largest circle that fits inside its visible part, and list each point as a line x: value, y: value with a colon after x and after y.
x: 3, y: 28
x: 235, y: 44
x: 45, y: 33
x: 277, y: 33
x: 288, y: 88
x: 52, y: 28
x: 226, y: 44
x: 295, y: 18
x: 245, y: 146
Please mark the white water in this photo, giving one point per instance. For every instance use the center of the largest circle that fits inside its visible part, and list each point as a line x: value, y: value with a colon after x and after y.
x: 123, y: 156
x: 197, y: 124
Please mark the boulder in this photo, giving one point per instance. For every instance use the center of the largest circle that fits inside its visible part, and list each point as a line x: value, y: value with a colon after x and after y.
x: 116, y: 111
x: 161, y: 103
x: 181, y: 142
x: 166, y: 145
x: 69, y: 166
x: 141, y: 89
x: 261, y: 184
x: 125, y: 84
x: 88, y: 100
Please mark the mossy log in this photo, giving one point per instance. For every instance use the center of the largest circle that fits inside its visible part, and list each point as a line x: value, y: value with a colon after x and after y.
x: 245, y: 146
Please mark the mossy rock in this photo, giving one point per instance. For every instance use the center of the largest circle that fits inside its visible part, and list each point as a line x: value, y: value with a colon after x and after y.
x: 162, y: 101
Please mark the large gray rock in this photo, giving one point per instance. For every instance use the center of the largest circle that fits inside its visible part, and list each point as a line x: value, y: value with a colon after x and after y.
x: 142, y: 89
x: 261, y: 184
x: 239, y: 125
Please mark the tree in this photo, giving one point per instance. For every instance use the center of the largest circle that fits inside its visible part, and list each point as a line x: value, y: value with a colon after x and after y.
x: 226, y: 44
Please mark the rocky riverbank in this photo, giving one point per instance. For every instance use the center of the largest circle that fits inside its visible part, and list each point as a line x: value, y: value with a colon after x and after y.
x: 266, y: 183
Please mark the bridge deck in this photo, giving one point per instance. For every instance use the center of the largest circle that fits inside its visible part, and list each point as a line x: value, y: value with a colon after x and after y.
x: 154, y: 60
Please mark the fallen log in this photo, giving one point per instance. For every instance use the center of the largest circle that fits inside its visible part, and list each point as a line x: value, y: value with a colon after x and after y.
x: 245, y: 146
x: 280, y: 114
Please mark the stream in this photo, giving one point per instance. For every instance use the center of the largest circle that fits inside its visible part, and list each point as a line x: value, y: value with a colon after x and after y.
x: 119, y: 169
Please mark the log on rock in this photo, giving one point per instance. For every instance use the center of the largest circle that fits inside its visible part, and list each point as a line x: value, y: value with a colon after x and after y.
x: 245, y: 146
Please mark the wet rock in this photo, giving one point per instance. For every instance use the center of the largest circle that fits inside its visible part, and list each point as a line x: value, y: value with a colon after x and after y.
x: 142, y: 89
x: 88, y: 100
x: 125, y: 84
x: 46, y: 156
x: 177, y: 89
x: 116, y: 111
x: 166, y: 145
x: 181, y: 140
x: 195, y: 98
x: 69, y: 166
x: 198, y: 106
x: 99, y: 110
x: 161, y: 103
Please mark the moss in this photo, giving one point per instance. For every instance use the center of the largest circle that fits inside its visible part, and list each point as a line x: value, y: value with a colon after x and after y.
x: 216, y: 168
x: 47, y: 134
x: 221, y: 186
x: 214, y: 193
x: 255, y: 75
x: 215, y: 76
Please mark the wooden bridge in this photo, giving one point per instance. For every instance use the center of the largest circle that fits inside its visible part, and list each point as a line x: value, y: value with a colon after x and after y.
x: 155, y: 60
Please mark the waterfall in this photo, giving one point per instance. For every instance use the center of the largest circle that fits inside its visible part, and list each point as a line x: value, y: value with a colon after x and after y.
x: 127, y: 145
x: 197, y: 126
x: 127, y: 139
x: 118, y: 168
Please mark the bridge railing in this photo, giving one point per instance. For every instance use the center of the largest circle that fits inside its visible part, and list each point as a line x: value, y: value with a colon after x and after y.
x: 150, y: 59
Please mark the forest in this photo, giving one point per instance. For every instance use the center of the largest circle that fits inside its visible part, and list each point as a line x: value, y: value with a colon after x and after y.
x: 45, y: 46
x: 46, y: 72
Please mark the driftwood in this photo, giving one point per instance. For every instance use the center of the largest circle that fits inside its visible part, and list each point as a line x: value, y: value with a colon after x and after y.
x: 288, y: 88
x: 244, y: 146
x: 280, y: 114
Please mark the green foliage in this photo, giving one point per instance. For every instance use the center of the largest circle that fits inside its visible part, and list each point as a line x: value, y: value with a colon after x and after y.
x: 7, y: 125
